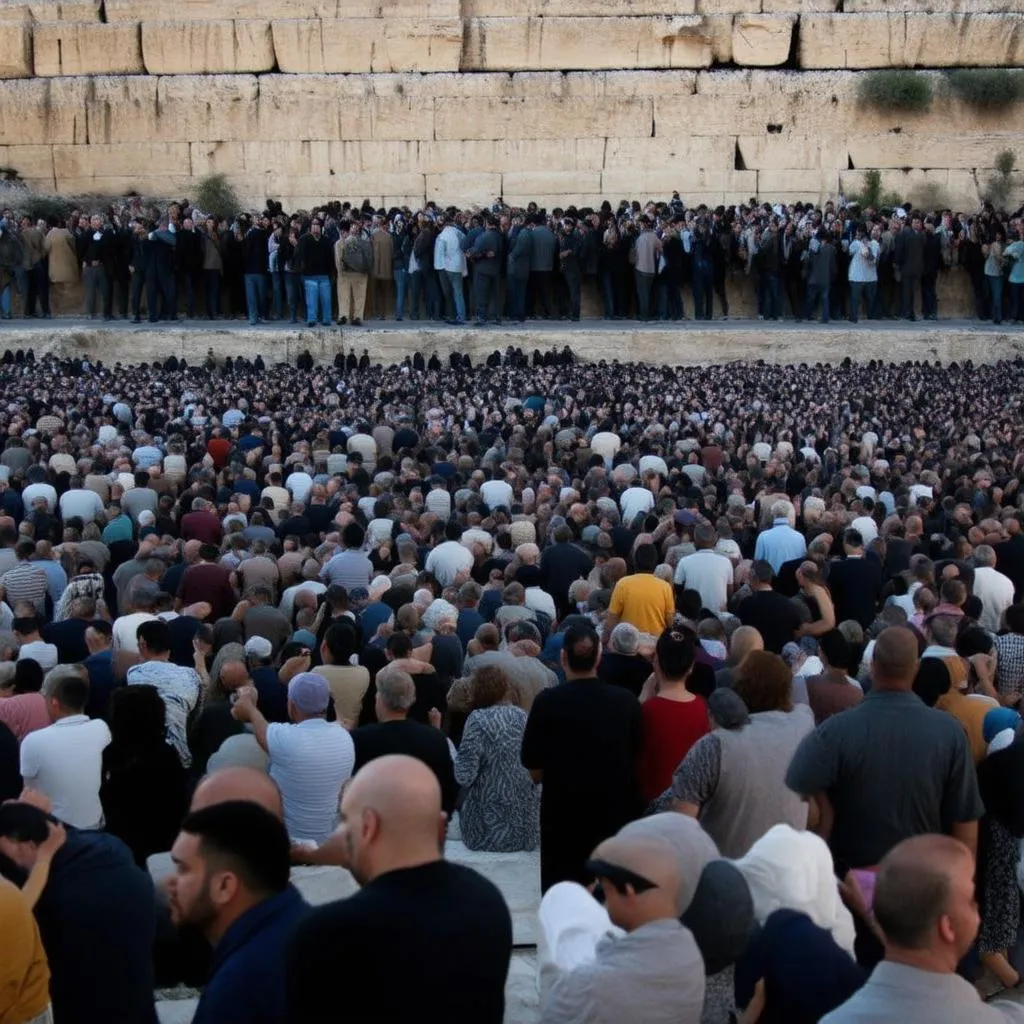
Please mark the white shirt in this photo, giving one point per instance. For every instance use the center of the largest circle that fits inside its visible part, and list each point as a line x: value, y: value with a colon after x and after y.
x: 439, y: 502
x: 287, y: 605
x: 447, y: 560
x: 710, y: 574
x: 606, y: 443
x: 497, y: 492
x: 655, y: 462
x: 40, y: 651
x: 86, y: 505
x: 995, y: 591
x: 540, y: 600
x: 635, y: 500
x: 34, y: 491
x: 299, y: 484
x: 866, y: 527
x: 310, y: 762
x: 65, y: 761
x: 124, y: 630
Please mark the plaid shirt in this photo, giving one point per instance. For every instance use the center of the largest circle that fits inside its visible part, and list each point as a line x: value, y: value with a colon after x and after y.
x: 90, y: 586
x: 1010, y: 664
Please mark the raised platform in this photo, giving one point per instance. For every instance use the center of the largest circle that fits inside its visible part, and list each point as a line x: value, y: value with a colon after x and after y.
x: 386, y: 341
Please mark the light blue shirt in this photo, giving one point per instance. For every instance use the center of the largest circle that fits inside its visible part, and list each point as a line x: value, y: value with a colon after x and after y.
x: 780, y: 544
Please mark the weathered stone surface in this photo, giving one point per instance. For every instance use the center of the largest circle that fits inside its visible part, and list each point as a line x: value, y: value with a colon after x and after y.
x: 515, y: 44
x: 34, y: 165
x: 352, y: 45
x: 207, y: 47
x: 789, y: 184
x: 775, y: 152
x: 880, y: 40
x: 50, y: 10
x: 762, y: 40
x: 15, y: 49
x: 87, y: 48
x: 959, y: 150
x: 932, y: 6
x: 152, y: 166
x: 220, y: 108
x: 216, y: 10
x: 683, y: 152
x: 586, y: 8
x: 43, y: 111
x: 468, y: 188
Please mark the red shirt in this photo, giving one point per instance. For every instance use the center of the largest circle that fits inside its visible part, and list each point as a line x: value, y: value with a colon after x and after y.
x: 208, y: 582
x: 670, y: 728
x: 204, y: 527
x: 219, y: 448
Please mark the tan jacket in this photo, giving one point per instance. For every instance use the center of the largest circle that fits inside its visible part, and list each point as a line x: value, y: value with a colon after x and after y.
x: 60, y: 247
x: 32, y: 245
x: 383, y: 254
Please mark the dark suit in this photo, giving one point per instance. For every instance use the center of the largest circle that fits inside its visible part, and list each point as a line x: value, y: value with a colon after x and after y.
x: 519, y: 257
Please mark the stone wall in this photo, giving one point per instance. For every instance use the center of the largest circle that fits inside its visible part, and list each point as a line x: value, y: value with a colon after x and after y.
x: 463, y: 100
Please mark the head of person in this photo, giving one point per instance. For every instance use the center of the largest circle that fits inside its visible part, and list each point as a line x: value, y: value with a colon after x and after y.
x: 66, y: 689
x: 894, y: 659
x: 761, y: 575
x: 581, y: 651
x: 645, y: 558
x: 744, y: 639
x: 396, y: 694
x: 227, y: 858
x: 624, y: 639
x: 23, y: 829
x: 391, y: 817
x: 488, y: 686
x: 639, y: 878
x: 674, y: 654
x: 835, y: 650
x: 154, y: 638
x: 764, y: 682
x: 238, y: 783
x: 308, y: 696
x: 138, y: 717
x: 925, y: 902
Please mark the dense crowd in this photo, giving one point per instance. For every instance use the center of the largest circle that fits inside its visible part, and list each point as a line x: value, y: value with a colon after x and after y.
x: 739, y: 648
x: 504, y: 263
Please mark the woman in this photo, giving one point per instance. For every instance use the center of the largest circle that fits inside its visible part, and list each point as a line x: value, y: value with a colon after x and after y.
x: 993, y: 253
x: 144, y: 789
x: 501, y: 807
x: 733, y: 780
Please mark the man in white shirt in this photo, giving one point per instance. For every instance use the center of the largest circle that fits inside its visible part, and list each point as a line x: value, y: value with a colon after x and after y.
x: 299, y: 484
x: 706, y: 571
x: 310, y: 758
x: 65, y: 759
x: 33, y: 646
x: 497, y: 493
x: 991, y: 587
x: 635, y: 499
x: 449, y: 558
x: 81, y: 503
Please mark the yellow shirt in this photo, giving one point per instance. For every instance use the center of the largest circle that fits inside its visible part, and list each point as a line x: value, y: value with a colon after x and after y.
x: 24, y: 973
x: 644, y: 601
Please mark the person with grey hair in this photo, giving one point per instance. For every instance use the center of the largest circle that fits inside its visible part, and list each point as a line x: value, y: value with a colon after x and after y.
x: 780, y: 543
x: 706, y: 571
x: 395, y: 733
x: 994, y: 589
x: 621, y: 662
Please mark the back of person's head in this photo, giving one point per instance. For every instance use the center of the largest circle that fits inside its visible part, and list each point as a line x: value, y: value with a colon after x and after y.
x: 744, y: 639
x: 924, y: 899
x: 28, y: 676
x: 764, y: 682
x: 1015, y: 618
x: 704, y: 537
x: 353, y: 536
x: 581, y: 648
x: 932, y: 680
x: 399, y: 646
x: 488, y: 686
x: 942, y: 630
x: 25, y: 625
x: 23, y: 827
x: 68, y: 687
x: 396, y: 689
x: 835, y: 650
x: 894, y: 659
x: 761, y: 571
x: 156, y: 635
x: 645, y: 558
x: 138, y: 716
x: 853, y: 539
x: 675, y: 652
x: 953, y: 592
x: 209, y: 552
x: 341, y: 641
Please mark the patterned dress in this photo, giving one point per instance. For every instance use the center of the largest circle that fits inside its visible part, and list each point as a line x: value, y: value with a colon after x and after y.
x: 501, y: 805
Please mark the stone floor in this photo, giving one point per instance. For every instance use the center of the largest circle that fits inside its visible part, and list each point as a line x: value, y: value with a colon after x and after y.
x: 689, y: 342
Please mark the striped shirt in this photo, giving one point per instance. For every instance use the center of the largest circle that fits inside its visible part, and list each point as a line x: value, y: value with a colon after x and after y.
x: 25, y: 582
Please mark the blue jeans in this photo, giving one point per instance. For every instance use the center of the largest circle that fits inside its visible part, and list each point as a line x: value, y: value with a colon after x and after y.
x: 255, y: 296
x: 401, y: 281
x: 995, y: 288
x: 5, y: 301
x: 866, y: 289
x: 458, y: 295
x: 318, y: 293
x: 771, y: 296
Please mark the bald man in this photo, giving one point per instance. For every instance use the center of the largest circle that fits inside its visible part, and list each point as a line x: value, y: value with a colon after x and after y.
x: 744, y: 639
x: 889, y: 768
x: 238, y: 783
x: 924, y: 904
x: 652, y: 973
x: 423, y: 938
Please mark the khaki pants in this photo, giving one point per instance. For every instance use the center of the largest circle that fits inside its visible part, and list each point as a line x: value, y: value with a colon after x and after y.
x: 351, y: 295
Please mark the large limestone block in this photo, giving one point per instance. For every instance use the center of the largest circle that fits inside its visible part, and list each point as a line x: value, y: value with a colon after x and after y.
x: 932, y: 6
x: 94, y: 168
x: 286, y: 101
x: 388, y: 118
x: 813, y: 184
x: 348, y: 45
x: 87, y: 48
x: 43, y: 111
x: 34, y: 165
x: 801, y: 6
x: 957, y: 188
x: 216, y: 10
x: 501, y: 155
x: 960, y: 150
x: 513, y: 44
x: 220, y: 108
x: 207, y: 47
x: 684, y: 151
x: 776, y: 152
x: 467, y: 188
x: 531, y: 183
x: 256, y: 157
x: 15, y: 49
x: 123, y: 109
x: 879, y: 40
x: 729, y: 7
x: 50, y: 10
x: 587, y: 8
x: 665, y: 179
x: 542, y: 118
x: 762, y: 40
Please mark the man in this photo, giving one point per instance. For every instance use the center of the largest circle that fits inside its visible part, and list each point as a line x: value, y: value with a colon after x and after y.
x: 780, y: 543
x: 642, y: 599
x: 32, y: 646
x: 263, y: 619
x: 202, y: 524
x: 833, y: 690
x: 96, y: 254
x: 36, y: 278
x: 26, y: 581
x: 96, y: 916
x: 889, y: 768
x: 313, y: 259
x: 992, y: 588
x: 775, y: 617
x: 349, y: 567
x: 179, y: 687
x: 64, y: 760
x: 561, y: 564
x: 68, y: 636
x: 310, y: 758
x: 519, y: 257
x: 581, y: 741
x: 706, y: 571
x: 209, y: 581
x: 855, y: 581
x: 925, y: 906
x: 230, y: 881
x: 100, y: 666
x: 256, y: 263
x: 909, y: 258
x: 450, y: 558
x: 654, y: 972
x: 353, y: 259
x: 488, y: 259
x: 395, y: 733
x: 411, y: 898
x: 647, y: 249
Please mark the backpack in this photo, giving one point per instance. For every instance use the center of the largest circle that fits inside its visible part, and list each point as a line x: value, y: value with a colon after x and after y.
x: 353, y: 256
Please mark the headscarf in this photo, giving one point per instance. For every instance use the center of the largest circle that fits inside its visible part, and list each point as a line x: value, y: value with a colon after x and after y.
x: 786, y: 868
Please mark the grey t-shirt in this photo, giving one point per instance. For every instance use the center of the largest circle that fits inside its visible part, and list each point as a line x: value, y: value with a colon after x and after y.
x: 892, y: 768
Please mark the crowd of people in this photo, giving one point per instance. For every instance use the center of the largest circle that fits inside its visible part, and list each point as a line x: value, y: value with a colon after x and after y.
x: 653, y: 261
x: 739, y: 649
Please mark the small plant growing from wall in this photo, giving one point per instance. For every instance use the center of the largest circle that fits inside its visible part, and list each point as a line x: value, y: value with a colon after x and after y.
x: 871, y: 194
x: 1000, y: 184
x: 987, y: 88
x: 895, y: 89
x: 215, y: 194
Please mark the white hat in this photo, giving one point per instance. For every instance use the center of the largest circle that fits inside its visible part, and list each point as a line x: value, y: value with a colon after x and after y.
x: 259, y: 646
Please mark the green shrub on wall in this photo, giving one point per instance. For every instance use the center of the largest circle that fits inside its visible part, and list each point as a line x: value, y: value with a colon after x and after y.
x: 895, y: 89
x: 871, y: 194
x: 987, y: 88
x: 214, y: 194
